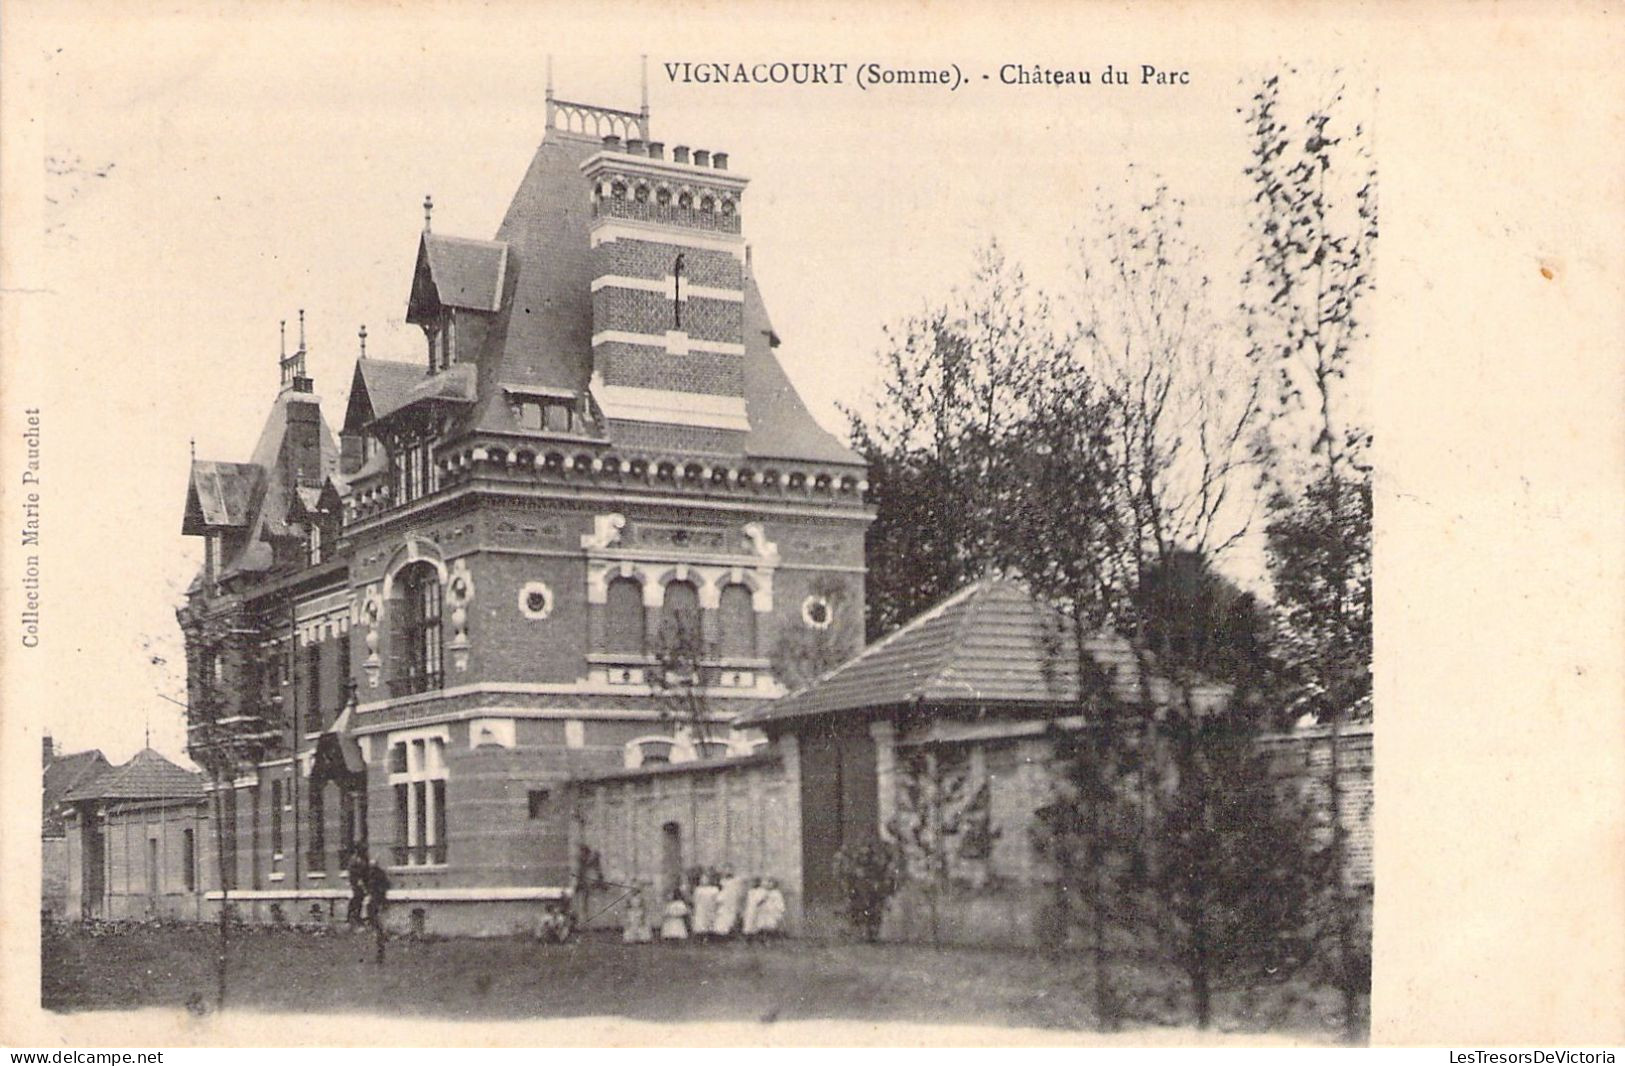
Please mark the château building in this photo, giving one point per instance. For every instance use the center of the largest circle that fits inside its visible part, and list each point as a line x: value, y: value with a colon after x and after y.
x: 410, y: 634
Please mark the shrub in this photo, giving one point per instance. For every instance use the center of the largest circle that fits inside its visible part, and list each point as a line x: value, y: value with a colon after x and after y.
x: 867, y: 875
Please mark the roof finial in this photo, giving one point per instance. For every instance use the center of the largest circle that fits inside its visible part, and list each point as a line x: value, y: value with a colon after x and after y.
x: 428, y: 210
x: 550, y: 75
x: 645, y: 78
x: 363, y: 335
x: 301, y: 329
x: 282, y: 329
x: 193, y: 442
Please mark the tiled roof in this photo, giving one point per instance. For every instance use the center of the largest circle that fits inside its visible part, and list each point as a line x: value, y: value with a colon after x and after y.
x: 220, y: 495
x: 466, y: 273
x: 146, y: 776
x: 991, y: 643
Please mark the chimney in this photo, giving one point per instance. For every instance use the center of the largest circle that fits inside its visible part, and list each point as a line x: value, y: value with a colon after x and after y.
x: 657, y: 149
x: 634, y: 145
x: 702, y: 157
x: 302, y: 445
x: 612, y: 142
x: 720, y: 161
x: 679, y: 153
x: 49, y: 750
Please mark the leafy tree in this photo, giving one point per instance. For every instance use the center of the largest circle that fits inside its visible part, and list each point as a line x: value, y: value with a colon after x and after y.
x: 958, y: 378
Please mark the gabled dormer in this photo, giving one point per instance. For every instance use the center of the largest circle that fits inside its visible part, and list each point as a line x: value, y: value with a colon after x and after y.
x: 456, y: 287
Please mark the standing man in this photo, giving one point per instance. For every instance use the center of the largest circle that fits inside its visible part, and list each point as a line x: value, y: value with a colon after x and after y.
x: 377, y: 895
x: 359, y: 869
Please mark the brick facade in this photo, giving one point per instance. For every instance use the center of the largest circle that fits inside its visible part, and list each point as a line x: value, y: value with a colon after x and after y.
x: 457, y: 599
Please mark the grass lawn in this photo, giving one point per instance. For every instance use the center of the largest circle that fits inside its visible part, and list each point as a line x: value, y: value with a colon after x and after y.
x: 288, y: 970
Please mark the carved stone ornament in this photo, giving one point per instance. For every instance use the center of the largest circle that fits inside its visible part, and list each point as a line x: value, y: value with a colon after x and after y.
x: 606, y: 530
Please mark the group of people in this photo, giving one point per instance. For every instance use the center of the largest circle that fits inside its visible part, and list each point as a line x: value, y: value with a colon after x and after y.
x: 369, y: 888
x: 709, y: 905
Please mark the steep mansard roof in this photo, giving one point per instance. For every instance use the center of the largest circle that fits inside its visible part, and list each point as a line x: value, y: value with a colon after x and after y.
x: 253, y: 498
x: 541, y: 335
x: 146, y: 776
x: 991, y: 643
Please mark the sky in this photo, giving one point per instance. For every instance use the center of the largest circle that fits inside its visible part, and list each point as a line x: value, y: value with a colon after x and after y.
x: 215, y: 173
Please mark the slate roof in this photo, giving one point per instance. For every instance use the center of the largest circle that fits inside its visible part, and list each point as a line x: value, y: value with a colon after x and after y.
x: 991, y: 643
x: 781, y: 427
x: 63, y: 775
x: 541, y: 334
x: 219, y: 495
x: 464, y: 272
x: 147, y: 775
x: 379, y: 385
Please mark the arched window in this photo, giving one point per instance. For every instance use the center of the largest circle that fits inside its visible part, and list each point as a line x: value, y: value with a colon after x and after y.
x: 640, y: 193
x: 707, y: 204
x: 617, y: 191
x: 623, y: 617
x: 727, y: 208
x: 663, y: 197
x: 738, y: 623
x: 685, y: 200
x: 419, y: 662
x: 711, y: 749
x: 649, y: 751
x: 681, y: 610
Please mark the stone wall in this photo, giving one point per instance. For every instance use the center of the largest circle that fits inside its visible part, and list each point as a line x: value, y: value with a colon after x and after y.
x: 644, y: 823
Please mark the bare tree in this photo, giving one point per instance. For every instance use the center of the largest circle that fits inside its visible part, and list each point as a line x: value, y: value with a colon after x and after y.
x: 1315, y: 224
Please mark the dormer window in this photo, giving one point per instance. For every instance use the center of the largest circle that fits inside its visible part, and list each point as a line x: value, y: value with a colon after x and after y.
x: 546, y: 414
x: 442, y: 337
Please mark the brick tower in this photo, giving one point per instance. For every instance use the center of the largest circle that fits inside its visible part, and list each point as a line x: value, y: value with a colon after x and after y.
x: 668, y: 294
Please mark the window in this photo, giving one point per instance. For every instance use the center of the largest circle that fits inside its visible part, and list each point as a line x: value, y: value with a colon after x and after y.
x: 189, y: 859
x: 653, y: 752
x: 344, y: 668
x: 352, y: 821
x: 420, y: 801
x: 528, y: 414
x: 536, y: 800
x: 441, y: 335
x: 707, y: 204
x: 313, y: 544
x: 737, y: 611
x: 211, y: 556
x: 276, y: 819
x: 677, y: 292
x: 228, y: 815
x: 685, y: 200
x: 663, y: 197
x: 680, y: 614
x: 313, y: 687
x: 623, y: 617
x: 411, y: 470
x: 420, y: 629
x: 314, y: 860
x: 711, y: 749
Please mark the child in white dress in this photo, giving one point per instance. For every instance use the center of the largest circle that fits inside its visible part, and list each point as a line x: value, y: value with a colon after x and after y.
x: 705, y: 905
x: 635, y: 919
x: 753, y: 902
x: 675, y: 925
x: 730, y: 903
x: 770, y: 911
